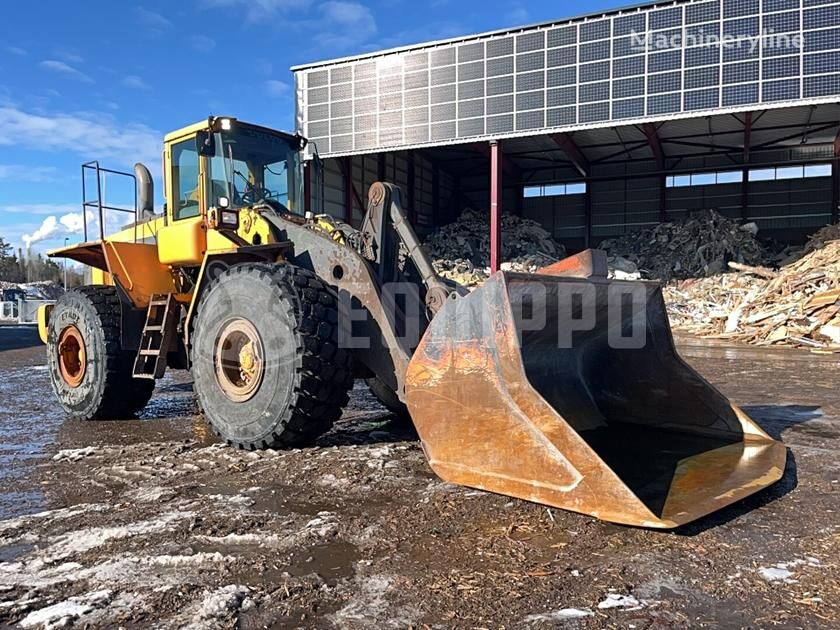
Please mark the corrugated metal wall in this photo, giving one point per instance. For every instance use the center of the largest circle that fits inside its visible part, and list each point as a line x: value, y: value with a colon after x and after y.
x: 420, y: 204
x: 622, y: 201
x: 784, y: 209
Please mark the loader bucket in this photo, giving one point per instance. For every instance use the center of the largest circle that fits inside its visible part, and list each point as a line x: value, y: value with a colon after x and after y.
x: 569, y: 392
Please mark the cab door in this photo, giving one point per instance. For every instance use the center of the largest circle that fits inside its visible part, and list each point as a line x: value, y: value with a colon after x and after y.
x: 183, y: 242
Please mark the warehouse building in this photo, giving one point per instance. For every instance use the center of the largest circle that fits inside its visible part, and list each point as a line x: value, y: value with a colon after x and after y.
x: 595, y: 125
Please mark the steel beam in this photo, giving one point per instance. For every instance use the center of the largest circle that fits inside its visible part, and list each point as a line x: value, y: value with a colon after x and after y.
x: 350, y: 192
x: 347, y: 171
x: 380, y: 167
x: 835, y: 190
x: 649, y: 129
x: 410, y: 193
x: 507, y: 166
x: 573, y: 152
x: 655, y: 144
x: 435, y: 193
x: 496, y: 167
x: 307, y: 186
x: 745, y: 171
x: 587, y: 213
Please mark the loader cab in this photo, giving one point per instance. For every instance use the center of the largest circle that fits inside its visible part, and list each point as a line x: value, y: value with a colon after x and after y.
x: 224, y: 163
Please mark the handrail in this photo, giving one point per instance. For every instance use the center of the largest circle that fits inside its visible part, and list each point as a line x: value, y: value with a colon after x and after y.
x: 99, y: 203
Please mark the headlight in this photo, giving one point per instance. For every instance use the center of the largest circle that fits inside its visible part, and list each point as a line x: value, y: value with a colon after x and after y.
x: 229, y: 218
x: 221, y: 218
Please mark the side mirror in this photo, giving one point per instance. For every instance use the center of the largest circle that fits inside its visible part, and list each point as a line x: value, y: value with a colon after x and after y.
x: 205, y: 143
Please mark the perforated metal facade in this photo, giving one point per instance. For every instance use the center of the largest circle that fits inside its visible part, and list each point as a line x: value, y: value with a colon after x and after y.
x: 587, y: 72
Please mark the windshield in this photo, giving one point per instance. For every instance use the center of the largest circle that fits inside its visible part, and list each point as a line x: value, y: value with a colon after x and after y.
x: 252, y: 166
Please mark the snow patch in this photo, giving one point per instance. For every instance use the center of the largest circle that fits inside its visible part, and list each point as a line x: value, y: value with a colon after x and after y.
x: 323, y: 525
x: 559, y: 615
x: 781, y: 571
x: 261, y: 539
x: 74, y: 454
x: 65, y: 613
x: 86, y: 539
x: 154, y: 494
x: 615, y: 600
x: 235, y: 500
x: 51, y: 515
x: 217, y: 606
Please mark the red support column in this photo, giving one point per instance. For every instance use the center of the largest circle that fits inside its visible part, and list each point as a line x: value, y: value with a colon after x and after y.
x: 835, y: 190
x: 307, y: 186
x: 495, y: 207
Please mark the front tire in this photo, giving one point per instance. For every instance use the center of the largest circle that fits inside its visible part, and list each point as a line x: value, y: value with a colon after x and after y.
x: 90, y: 373
x: 266, y: 364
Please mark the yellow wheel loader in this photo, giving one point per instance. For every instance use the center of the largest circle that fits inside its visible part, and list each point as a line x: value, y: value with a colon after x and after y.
x: 561, y: 387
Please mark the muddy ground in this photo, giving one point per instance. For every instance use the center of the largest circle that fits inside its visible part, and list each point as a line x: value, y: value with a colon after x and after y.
x: 150, y: 523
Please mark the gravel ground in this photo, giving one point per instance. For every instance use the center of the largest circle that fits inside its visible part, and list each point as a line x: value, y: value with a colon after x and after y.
x: 150, y: 523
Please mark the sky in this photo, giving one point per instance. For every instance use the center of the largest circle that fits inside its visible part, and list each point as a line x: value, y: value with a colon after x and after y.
x: 105, y: 80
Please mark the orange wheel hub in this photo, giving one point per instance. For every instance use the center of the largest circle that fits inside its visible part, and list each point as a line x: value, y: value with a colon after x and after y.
x: 72, y: 356
x: 239, y: 360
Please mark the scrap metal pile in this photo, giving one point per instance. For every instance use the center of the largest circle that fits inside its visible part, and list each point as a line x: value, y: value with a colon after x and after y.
x: 460, y: 251
x: 700, y: 245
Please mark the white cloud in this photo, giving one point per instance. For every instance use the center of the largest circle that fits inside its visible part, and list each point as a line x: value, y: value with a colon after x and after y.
x: 134, y: 82
x: 202, y: 43
x: 23, y: 173
x: 91, y: 135
x: 54, y: 65
x: 16, y: 50
x: 69, y: 224
x: 153, y: 23
x: 70, y: 56
x: 255, y: 10
x: 276, y: 88
x: 348, y: 24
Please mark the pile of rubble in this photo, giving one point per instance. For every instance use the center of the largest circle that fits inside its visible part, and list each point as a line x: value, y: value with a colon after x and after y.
x: 44, y: 290
x: 797, y: 305
x: 823, y: 236
x: 700, y: 245
x: 460, y: 251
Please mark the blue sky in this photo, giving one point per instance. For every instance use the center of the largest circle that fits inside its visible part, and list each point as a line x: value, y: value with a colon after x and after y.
x: 105, y: 80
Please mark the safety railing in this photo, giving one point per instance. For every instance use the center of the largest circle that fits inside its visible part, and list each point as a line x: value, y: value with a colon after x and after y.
x: 99, y: 202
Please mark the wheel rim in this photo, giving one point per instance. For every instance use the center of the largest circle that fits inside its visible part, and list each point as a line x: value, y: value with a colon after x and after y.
x: 239, y: 360
x: 72, y: 356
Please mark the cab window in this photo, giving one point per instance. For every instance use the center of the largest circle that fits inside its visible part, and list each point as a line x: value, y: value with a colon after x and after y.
x: 185, y: 183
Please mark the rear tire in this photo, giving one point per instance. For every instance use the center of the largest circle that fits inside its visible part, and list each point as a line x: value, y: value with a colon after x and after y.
x: 266, y: 364
x: 90, y: 373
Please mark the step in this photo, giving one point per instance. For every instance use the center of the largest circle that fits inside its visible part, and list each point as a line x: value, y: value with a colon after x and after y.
x: 150, y: 353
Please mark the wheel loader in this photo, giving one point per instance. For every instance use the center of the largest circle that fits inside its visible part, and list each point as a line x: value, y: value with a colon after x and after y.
x: 560, y: 387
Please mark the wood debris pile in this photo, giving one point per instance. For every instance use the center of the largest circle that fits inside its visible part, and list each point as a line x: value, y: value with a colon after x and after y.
x: 798, y: 305
x: 700, y: 245
x: 460, y: 251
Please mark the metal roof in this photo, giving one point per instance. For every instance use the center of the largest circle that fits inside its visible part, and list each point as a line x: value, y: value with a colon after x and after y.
x: 577, y: 74
x: 503, y: 31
